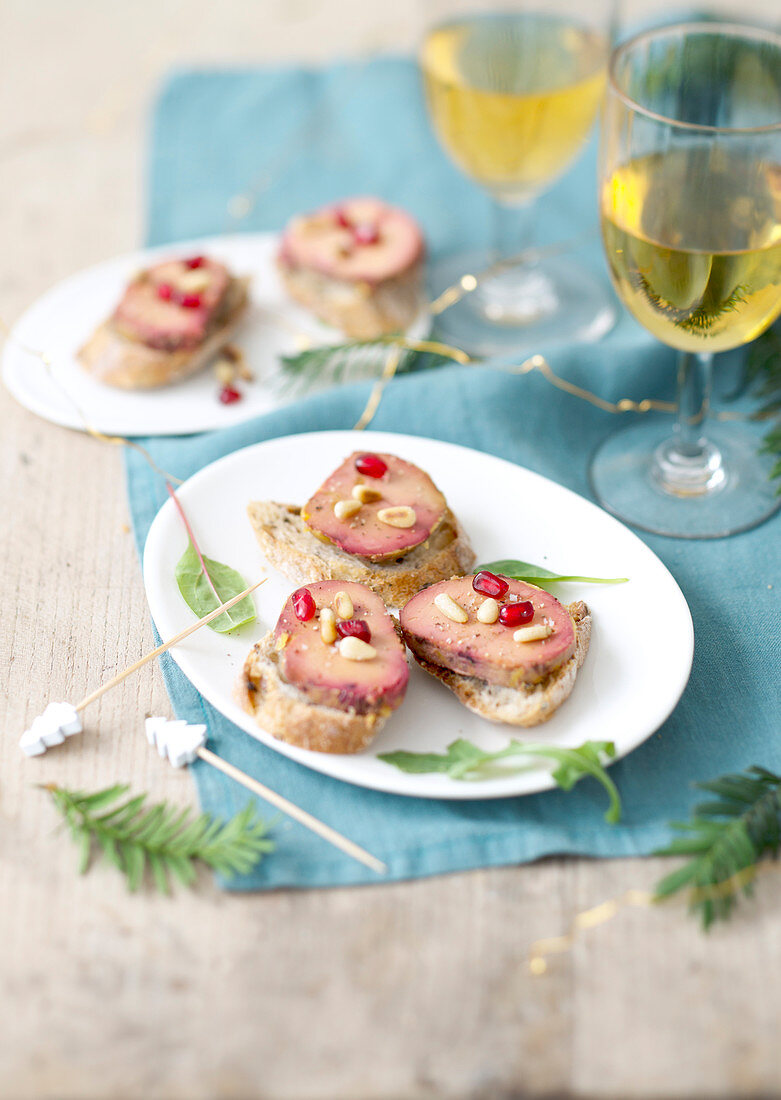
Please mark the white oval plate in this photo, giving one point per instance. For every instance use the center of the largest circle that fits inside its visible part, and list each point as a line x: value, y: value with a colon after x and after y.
x: 642, y: 640
x: 60, y: 322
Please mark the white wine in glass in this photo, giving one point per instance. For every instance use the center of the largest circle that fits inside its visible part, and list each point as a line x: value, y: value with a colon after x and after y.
x: 696, y: 255
x: 690, y: 204
x: 512, y: 96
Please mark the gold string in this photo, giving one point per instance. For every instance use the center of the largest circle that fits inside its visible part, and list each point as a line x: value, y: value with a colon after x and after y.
x: 606, y: 910
x: 370, y: 411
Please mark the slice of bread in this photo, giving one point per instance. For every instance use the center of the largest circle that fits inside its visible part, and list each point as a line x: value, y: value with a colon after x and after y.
x: 360, y: 310
x: 289, y: 545
x: 528, y: 704
x: 128, y: 364
x: 285, y: 712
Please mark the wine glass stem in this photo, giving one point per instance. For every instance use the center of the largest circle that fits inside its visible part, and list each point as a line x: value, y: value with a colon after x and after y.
x: 694, y: 384
x: 688, y: 464
x: 511, y: 227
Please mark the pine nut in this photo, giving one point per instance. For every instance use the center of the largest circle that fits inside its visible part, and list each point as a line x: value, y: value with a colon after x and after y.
x: 225, y: 372
x: 328, y: 626
x: 343, y: 605
x: 534, y: 633
x: 193, y: 281
x: 452, y: 610
x: 366, y: 494
x: 400, y: 515
x: 488, y: 611
x: 356, y: 650
x: 346, y: 509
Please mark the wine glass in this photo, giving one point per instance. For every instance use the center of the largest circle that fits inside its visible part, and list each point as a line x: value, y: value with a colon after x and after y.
x: 512, y: 96
x: 690, y: 198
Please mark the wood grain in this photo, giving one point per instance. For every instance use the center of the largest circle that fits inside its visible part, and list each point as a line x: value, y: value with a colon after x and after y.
x: 393, y: 991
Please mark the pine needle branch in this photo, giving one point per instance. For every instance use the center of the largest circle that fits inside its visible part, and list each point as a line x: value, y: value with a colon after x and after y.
x: 726, y: 838
x: 165, y: 841
x: 356, y: 361
x: 763, y: 373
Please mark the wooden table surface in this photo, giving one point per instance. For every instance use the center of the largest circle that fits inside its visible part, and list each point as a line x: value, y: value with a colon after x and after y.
x: 417, y: 989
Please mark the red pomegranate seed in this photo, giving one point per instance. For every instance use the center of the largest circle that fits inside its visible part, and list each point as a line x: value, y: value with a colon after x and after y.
x: 229, y: 396
x: 303, y: 605
x: 371, y: 465
x: 514, y: 614
x: 490, y: 585
x: 366, y: 234
x: 190, y: 301
x: 195, y: 261
x: 165, y: 291
x: 342, y: 219
x: 354, y: 628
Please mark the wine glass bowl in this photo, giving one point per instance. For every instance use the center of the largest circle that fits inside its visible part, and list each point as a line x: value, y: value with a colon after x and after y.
x: 690, y: 209
x: 513, y: 96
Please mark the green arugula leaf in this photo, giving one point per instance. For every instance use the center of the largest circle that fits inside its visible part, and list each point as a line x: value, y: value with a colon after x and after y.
x: 202, y: 594
x: 539, y: 575
x: 466, y: 761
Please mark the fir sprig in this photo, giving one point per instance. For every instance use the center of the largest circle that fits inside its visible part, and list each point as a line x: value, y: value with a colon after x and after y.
x: 701, y: 318
x: 355, y: 361
x: 763, y: 374
x: 336, y: 364
x: 725, y: 838
x: 161, y: 838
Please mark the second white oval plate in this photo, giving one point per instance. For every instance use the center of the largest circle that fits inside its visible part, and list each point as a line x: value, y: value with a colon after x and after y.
x: 642, y: 641
x: 61, y: 321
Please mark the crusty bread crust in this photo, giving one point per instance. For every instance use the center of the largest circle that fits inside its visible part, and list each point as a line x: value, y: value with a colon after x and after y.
x: 286, y: 713
x: 289, y: 545
x: 362, y: 311
x: 528, y: 704
x: 130, y: 365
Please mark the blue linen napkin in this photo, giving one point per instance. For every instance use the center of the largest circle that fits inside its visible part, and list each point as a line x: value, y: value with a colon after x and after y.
x: 215, y: 131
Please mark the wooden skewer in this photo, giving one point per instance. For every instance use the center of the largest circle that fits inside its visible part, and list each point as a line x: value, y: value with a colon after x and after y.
x: 289, y: 808
x: 120, y: 676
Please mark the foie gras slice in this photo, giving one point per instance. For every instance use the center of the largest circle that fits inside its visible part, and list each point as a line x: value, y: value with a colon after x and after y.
x: 173, y: 306
x: 406, y: 509
x: 358, y: 240
x: 489, y: 651
x: 322, y: 673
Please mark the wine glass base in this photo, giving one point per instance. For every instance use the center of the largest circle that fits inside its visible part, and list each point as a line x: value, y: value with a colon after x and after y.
x: 629, y: 479
x: 550, y: 301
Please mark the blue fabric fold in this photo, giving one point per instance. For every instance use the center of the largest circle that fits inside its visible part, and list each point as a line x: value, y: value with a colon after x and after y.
x: 217, y: 132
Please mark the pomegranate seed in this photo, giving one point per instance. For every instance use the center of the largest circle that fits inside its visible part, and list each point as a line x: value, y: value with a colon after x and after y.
x: 303, y: 605
x: 190, y: 301
x: 195, y: 261
x: 165, y: 291
x: 371, y: 465
x: 354, y: 628
x: 366, y: 234
x: 342, y: 219
x: 514, y: 614
x: 490, y: 585
x: 229, y: 396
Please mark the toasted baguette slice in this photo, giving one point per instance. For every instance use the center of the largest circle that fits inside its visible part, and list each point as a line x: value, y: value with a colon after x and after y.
x: 360, y: 311
x: 130, y: 365
x: 295, y: 551
x: 285, y: 712
x: 528, y: 704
